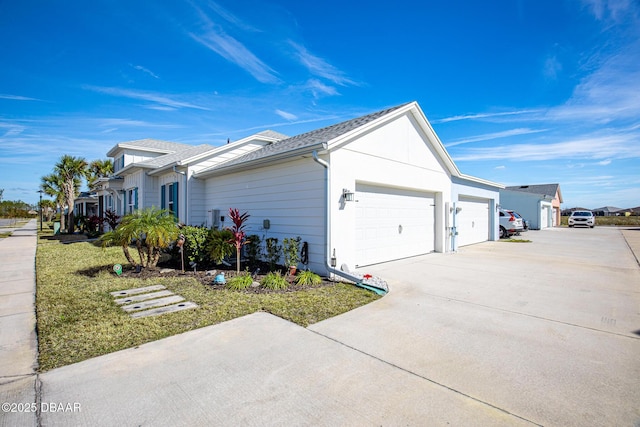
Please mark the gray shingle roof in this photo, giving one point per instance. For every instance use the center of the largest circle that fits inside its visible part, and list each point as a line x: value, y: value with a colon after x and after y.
x: 307, y: 140
x: 150, y: 145
x: 167, y: 159
x: 548, y: 189
x: 273, y: 134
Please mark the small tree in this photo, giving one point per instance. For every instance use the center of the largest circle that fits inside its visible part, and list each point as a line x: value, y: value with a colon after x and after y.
x: 151, y: 230
x: 291, y: 251
x: 239, y: 236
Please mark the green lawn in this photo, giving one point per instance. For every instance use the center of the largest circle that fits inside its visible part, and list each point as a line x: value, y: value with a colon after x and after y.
x: 77, y: 318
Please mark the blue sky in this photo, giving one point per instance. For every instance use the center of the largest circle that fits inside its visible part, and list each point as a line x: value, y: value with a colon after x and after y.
x: 519, y: 91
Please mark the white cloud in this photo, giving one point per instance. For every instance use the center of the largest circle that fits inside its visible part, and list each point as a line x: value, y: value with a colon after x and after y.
x: 481, y: 116
x: 604, y: 147
x: 494, y: 135
x: 319, y: 89
x: 320, y: 67
x: 552, y: 67
x: 157, y: 98
x: 605, y: 162
x: 286, y: 116
x: 17, y: 97
x: 145, y: 70
x: 215, y: 39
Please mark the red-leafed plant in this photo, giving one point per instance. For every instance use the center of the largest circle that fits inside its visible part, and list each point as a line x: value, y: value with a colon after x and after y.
x: 239, y: 236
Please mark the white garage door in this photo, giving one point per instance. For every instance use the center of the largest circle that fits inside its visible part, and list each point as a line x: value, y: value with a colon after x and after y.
x: 393, y: 223
x: 472, y: 222
x: 544, y: 217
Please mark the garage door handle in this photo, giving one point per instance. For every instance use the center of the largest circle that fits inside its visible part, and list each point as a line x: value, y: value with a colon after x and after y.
x: 400, y: 229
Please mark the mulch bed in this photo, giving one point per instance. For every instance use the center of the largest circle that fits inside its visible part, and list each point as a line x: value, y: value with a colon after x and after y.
x: 206, y: 278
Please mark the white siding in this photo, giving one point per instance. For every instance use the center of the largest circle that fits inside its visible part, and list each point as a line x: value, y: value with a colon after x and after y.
x: 290, y: 195
x: 397, y: 155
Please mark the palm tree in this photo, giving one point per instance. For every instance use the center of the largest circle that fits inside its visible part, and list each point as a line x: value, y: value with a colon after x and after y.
x: 151, y: 230
x: 71, y: 170
x: 98, y: 169
x: 118, y: 237
x: 52, y: 186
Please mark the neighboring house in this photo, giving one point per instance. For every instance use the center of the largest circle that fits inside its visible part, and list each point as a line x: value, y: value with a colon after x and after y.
x: 86, y: 204
x: 376, y: 188
x: 539, y: 204
x: 608, y: 211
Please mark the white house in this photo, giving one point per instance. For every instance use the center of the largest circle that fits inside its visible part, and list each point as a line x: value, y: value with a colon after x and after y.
x: 369, y: 190
x: 539, y: 204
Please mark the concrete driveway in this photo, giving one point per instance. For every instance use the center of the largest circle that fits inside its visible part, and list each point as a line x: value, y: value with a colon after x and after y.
x: 547, y: 331
x: 498, y: 334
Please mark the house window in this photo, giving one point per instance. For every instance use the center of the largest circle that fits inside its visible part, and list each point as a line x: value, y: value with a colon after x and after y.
x: 118, y: 163
x: 132, y: 200
x: 169, y: 197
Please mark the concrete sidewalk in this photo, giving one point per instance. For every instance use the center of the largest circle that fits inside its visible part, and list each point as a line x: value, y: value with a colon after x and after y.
x: 18, y: 342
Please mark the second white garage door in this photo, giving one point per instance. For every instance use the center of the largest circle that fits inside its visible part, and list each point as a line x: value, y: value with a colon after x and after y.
x: 393, y: 223
x: 472, y: 221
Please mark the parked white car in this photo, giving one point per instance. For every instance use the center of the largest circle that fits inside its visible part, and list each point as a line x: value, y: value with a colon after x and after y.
x: 510, y: 223
x: 584, y: 218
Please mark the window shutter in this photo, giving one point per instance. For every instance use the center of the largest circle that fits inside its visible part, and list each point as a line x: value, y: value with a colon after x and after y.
x: 163, y: 197
x: 135, y: 199
x: 175, y: 198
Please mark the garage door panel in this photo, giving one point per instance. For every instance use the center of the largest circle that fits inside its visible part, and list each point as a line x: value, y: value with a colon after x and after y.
x: 393, y: 223
x: 473, y: 221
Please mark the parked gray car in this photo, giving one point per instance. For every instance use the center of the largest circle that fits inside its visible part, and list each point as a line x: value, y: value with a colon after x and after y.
x: 510, y: 223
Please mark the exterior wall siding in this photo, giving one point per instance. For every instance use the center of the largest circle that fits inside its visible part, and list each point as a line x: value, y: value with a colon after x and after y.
x: 290, y: 195
x: 526, y: 204
x: 396, y: 155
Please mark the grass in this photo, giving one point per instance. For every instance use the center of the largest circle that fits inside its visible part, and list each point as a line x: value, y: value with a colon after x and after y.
x: 512, y: 240
x: 77, y: 318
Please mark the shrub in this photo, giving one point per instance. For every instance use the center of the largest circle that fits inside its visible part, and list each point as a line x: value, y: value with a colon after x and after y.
x: 273, y: 251
x: 291, y: 251
x: 218, y: 245
x: 308, y: 277
x: 195, y: 245
x: 240, y: 282
x: 274, y: 281
x: 253, y: 248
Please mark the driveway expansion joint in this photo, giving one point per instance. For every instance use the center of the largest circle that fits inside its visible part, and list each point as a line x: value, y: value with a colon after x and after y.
x: 415, y: 374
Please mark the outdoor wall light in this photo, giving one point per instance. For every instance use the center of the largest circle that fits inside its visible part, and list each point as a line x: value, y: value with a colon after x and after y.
x: 347, y: 195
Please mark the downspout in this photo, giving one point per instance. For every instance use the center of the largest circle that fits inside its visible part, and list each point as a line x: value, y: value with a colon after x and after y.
x: 186, y: 192
x: 382, y: 290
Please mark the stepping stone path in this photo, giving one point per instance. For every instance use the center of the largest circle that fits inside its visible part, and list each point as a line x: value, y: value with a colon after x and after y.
x: 150, y: 301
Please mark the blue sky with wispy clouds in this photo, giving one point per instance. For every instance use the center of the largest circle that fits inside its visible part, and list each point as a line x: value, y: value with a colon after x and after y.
x: 520, y: 92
